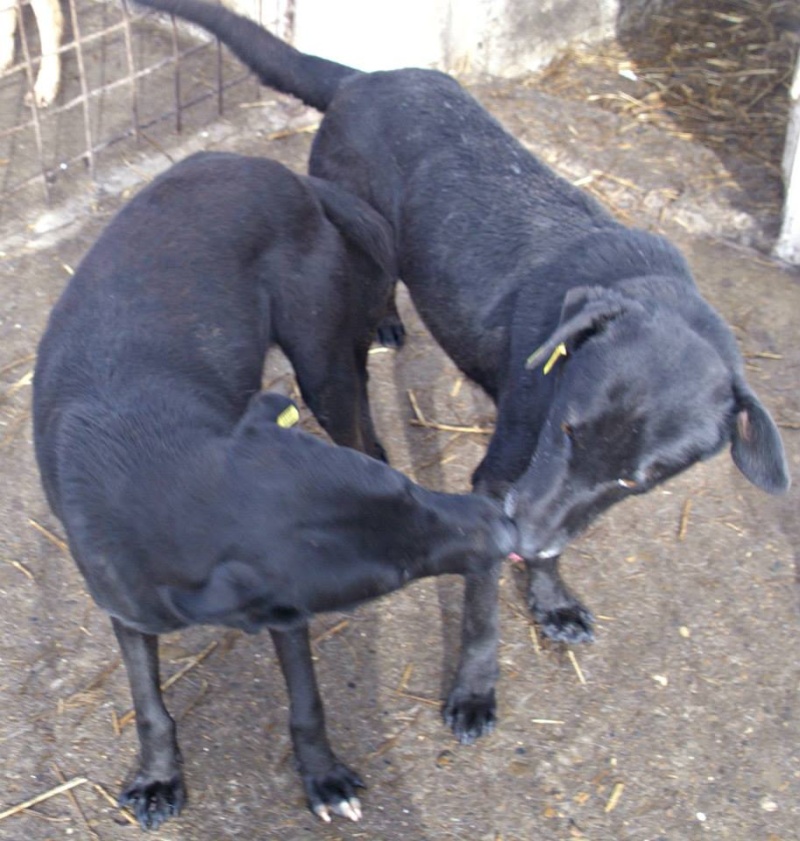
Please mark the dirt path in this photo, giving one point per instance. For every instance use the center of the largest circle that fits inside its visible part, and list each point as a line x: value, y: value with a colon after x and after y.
x: 681, y: 722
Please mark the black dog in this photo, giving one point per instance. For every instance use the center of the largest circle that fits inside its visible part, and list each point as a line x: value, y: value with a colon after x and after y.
x: 184, y: 499
x: 512, y: 268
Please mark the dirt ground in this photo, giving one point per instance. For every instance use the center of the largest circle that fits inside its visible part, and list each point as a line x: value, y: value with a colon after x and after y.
x: 679, y: 723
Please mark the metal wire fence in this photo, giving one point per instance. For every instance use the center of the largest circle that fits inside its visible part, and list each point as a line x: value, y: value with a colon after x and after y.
x: 123, y: 72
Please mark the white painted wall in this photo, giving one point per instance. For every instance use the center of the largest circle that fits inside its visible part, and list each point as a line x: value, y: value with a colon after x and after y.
x: 464, y: 37
x: 474, y: 37
x: 788, y: 245
x: 275, y: 15
x: 370, y: 34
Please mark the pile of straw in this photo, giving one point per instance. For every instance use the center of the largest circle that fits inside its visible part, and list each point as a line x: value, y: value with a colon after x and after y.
x: 717, y: 73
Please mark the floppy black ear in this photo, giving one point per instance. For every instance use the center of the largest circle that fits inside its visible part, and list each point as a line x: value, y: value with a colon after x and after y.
x: 234, y: 596
x: 358, y: 222
x: 267, y: 407
x: 756, y: 447
x: 585, y: 309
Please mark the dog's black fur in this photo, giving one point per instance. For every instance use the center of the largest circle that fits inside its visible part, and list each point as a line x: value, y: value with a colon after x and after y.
x: 503, y: 259
x: 183, y: 500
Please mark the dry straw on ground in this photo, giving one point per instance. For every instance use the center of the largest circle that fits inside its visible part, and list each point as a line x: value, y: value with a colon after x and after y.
x: 718, y: 73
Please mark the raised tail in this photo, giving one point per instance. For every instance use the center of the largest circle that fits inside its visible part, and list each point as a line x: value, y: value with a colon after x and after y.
x: 311, y: 79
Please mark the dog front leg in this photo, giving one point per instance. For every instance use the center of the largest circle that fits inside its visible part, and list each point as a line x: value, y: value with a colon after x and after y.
x: 330, y: 786
x: 8, y: 26
x: 470, y: 708
x: 157, y: 791
x: 51, y: 27
x: 561, y: 616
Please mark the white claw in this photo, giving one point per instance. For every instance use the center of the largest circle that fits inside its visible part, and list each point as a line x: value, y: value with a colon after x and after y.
x: 348, y: 809
x: 321, y: 811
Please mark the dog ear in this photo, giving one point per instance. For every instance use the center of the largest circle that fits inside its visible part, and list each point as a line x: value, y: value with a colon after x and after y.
x: 756, y: 447
x: 585, y: 310
x: 267, y: 407
x: 358, y: 222
x: 233, y: 596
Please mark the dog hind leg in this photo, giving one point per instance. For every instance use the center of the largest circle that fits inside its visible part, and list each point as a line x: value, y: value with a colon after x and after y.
x: 8, y: 26
x: 157, y: 791
x: 50, y: 21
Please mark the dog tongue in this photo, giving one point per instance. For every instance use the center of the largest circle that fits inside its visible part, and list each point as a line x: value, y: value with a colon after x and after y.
x: 515, y: 558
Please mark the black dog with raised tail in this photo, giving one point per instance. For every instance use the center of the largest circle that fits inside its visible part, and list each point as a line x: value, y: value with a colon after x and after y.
x: 609, y: 370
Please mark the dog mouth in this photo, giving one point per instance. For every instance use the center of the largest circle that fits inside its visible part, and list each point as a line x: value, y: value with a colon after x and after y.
x: 542, y: 555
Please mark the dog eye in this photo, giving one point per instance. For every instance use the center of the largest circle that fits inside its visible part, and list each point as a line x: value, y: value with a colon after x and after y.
x: 568, y: 430
x: 626, y: 483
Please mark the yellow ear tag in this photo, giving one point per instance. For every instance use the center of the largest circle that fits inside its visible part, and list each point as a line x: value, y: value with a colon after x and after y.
x: 288, y: 417
x: 561, y: 350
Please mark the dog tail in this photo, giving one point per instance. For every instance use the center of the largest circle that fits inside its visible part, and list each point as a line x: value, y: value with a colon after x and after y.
x: 311, y: 79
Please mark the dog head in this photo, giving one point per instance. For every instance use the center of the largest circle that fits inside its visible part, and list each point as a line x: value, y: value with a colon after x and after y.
x: 642, y: 391
x: 297, y: 526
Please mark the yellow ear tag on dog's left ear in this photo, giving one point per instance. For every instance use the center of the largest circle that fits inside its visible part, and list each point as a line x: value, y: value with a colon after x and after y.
x: 288, y: 417
x: 561, y: 350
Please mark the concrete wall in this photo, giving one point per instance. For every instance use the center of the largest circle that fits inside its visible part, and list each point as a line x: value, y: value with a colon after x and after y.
x: 465, y: 37
x: 473, y: 37
x: 275, y: 15
x: 788, y: 245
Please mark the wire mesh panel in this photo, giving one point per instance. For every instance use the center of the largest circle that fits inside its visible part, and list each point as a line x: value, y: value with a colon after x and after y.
x: 123, y: 72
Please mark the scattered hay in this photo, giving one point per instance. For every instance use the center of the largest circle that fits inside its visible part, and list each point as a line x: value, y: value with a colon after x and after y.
x: 53, y: 538
x: 683, y: 525
x: 420, y: 420
x: 115, y: 805
x: 120, y: 722
x: 575, y: 665
x: 77, y: 806
x: 613, y: 800
x: 14, y: 426
x: 715, y: 73
x: 40, y: 798
x: 330, y: 632
x: 16, y: 362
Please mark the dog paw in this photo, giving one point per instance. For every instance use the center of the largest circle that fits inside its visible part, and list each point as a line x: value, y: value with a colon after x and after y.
x: 470, y: 715
x: 570, y: 623
x: 391, y: 332
x: 43, y: 96
x: 47, y: 84
x: 154, y: 801
x: 334, y: 793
